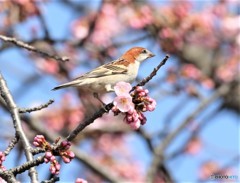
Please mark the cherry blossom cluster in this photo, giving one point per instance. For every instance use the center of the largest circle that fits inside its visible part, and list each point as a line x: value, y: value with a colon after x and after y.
x: 62, y: 150
x: 132, y: 104
x: 40, y: 141
x: 55, y: 166
x: 65, y: 153
x: 2, y: 159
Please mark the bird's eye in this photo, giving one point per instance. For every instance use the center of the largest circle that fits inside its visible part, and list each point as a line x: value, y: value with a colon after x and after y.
x: 144, y: 51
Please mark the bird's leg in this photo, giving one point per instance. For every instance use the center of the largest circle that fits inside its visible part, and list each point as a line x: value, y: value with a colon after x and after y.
x: 95, y: 95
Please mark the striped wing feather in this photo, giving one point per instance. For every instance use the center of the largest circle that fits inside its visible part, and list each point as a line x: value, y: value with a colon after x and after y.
x: 108, y: 69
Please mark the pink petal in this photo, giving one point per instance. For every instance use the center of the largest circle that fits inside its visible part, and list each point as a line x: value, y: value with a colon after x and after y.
x: 135, y: 125
x: 122, y: 88
x: 123, y: 103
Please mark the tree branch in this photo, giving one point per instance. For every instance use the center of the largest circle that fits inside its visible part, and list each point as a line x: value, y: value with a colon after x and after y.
x: 28, y: 165
x: 6, y: 95
x: 7, y: 176
x: 159, y: 150
x: 24, y: 110
x: 153, y: 73
x: 31, y: 48
x: 79, y: 155
x: 11, y: 145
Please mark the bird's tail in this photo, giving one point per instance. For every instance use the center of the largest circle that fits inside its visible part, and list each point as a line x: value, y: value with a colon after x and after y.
x: 69, y: 84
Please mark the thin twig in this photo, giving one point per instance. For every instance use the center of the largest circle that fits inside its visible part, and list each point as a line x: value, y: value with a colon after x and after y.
x: 37, y: 150
x: 24, y: 110
x: 159, y: 151
x: 11, y: 145
x: 31, y: 48
x: 52, y: 180
x: 87, y: 122
x: 153, y: 73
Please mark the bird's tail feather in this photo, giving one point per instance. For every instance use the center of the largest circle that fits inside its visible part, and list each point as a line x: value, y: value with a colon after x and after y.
x: 65, y: 85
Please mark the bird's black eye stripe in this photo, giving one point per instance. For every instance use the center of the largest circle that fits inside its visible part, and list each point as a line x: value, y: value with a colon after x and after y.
x: 144, y: 51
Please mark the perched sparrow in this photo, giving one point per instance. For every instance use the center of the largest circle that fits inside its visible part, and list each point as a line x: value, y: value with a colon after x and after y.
x: 103, y: 78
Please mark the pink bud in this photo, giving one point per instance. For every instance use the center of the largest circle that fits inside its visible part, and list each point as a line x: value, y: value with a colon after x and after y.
x: 144, y: 109
x: 53, y: 169
x: 46, y: 160
x: 48, y: 154
x: 129, y: 118
x: 150, y: 108
x: 71, y: 154
x: 142, y: 118
x: 52, y: 158
x: 66, y: 159
x: 135, y: 125
x: 58, y: 166
x: 65, y: 144
x: 36, y: 144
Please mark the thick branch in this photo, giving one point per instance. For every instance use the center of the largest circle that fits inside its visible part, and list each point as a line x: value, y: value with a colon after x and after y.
x: 28, y: 165
x: 6, y: 95
x: 7, y: 176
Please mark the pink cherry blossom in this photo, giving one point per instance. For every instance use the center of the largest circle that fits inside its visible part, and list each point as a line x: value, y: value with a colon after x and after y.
x: 48, y: 157
x: 124, y: 103
x: 122, y: 88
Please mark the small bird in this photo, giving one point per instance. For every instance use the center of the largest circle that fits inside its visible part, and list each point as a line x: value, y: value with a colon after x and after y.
x: 103, y: 79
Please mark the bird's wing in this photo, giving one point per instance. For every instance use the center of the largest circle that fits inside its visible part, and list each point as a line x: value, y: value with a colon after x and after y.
x: 108, y: 69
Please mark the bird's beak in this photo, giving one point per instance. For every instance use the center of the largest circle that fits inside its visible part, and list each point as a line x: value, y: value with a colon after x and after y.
x: 151, y: 55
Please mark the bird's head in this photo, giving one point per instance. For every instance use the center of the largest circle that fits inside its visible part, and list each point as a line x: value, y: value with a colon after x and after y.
x: 138, y: 54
